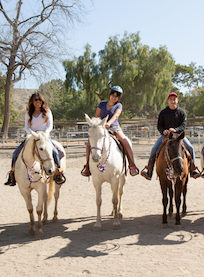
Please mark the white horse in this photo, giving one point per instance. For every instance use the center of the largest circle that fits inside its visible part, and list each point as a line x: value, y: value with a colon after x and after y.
x: 34, y: 169
x: 202, y: 161
x: 106, y: 165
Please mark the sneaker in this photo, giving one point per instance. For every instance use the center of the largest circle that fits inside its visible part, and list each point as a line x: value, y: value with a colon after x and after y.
x: 133, y: 170
x: 85, y: 171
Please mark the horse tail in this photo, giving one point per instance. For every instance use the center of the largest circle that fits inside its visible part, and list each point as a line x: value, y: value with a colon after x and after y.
x: 50, y: 191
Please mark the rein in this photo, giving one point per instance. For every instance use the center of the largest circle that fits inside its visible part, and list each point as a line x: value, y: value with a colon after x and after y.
x: 102, y: 166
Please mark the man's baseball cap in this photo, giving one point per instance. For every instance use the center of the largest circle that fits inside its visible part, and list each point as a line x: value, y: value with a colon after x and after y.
x: 172, y: 94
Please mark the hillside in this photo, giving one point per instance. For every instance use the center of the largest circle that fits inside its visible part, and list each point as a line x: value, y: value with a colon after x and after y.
x: 20, y: 100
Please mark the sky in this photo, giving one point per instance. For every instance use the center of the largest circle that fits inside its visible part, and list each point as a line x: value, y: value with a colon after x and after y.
x: 176, y: 24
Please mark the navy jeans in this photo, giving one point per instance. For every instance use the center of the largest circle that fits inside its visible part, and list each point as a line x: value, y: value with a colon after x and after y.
x: 187, y: 143
x: 16, y: 152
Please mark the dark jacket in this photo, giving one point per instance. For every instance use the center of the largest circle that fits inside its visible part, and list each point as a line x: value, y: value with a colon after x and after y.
x: 172, y: 119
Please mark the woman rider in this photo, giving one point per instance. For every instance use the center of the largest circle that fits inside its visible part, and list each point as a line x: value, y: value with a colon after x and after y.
x: 37, y: 118
x: 113, y: 109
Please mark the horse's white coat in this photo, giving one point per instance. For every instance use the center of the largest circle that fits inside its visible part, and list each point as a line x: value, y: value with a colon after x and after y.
x: 114, y: 172
x: 38, y: 158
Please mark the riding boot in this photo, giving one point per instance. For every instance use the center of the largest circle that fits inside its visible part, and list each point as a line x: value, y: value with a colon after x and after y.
x: 194, y: 172
x: 11, y: 179
x: 59, y: 177
x: 128, y: 151
x: 148, y: 170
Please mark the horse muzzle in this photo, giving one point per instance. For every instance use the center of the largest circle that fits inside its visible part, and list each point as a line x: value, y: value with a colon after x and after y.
x: 96, y: 157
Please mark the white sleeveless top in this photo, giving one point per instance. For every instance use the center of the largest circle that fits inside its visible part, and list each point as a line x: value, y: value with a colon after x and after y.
x: 38, y: 123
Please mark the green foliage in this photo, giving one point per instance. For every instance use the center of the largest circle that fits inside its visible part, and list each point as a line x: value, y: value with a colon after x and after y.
x: 144, y: 74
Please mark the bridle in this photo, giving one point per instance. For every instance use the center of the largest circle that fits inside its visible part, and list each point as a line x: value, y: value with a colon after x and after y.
x: 102, y: 166
x: 170, y: 170
x: 30, y: 170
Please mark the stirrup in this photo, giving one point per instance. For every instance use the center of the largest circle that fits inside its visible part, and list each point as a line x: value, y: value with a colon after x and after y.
x: 145, y: 174
x: 195, y: 174
x: 59, y: 178
x: 133, y: 170
x: 85, y: 172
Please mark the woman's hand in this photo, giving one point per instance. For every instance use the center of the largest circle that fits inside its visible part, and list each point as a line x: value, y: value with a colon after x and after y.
x: 107, y: 126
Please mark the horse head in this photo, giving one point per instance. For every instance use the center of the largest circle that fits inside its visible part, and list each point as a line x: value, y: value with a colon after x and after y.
x: 97, y: 135
x: 43, y: 149
x: 175, y: 154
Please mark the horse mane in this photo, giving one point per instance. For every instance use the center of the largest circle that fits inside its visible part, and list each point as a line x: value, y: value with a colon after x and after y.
x: 95, y: 121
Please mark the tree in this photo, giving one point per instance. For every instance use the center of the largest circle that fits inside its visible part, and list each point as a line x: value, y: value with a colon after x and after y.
x: 30, y: 35
x: 144, y: 74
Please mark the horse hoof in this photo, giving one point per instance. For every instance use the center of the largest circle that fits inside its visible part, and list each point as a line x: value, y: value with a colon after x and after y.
x: 39, y: 233
x: 183, y: 214
x: 116, y: 224
x: 97, y: 226
x: 44, y: 221
x: 120, y: 216
x: 164, y: 225
x: 31, y: 232
x: 55, y: 219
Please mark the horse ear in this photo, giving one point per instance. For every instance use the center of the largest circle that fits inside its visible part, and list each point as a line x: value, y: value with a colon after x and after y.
x: 181, y: 136
x: 103, y: 122
x: 34, y: 134
x: 88, y: 119
x: 170, y: 135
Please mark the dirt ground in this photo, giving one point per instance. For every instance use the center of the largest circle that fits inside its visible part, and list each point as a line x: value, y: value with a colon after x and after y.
x: 71, y: 247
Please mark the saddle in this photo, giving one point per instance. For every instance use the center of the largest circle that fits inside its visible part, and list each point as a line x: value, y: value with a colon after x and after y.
x: 60, y: 151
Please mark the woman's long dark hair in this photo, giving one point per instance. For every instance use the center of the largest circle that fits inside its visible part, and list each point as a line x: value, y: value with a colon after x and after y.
x: 31, y: 107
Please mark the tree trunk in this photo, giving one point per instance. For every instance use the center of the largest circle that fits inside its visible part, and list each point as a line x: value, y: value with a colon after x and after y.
x: 5, y: 126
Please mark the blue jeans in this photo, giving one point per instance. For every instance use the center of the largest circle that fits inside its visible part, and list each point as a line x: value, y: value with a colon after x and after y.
x: 16, y: 152
x: 187, y: 143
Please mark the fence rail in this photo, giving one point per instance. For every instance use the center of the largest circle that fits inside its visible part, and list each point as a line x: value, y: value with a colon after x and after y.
x: 74, y: 141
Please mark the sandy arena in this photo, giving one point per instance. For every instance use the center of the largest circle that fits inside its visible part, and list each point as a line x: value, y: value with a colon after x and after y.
x: 70, y: 247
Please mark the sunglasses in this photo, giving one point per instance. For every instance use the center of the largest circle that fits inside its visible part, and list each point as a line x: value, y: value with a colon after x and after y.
x: 37, y: 99
x: 117, y: 93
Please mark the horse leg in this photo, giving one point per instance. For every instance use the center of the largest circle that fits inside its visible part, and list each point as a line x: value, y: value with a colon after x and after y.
x: 171, y: 199
x: 120, y: 193
x: 184, y: 208
x: 114, y: 187
x: 164, y: 202
x: 178, y: 201
x: 56, y: 195
x: 45, y: 214
x: 98, y: 204
x: 39, y: 208
x: 27, y: 197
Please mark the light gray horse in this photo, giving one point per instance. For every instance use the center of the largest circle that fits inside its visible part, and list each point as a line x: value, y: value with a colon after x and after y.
x: 34, y: 169
x: 106, y: 165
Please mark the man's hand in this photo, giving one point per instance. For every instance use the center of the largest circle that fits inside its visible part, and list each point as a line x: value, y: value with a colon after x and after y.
x: 165, y: 132
x: 172, y: 130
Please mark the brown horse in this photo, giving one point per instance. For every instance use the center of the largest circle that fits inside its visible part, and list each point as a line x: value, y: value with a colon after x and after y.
x: 172, y: 168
